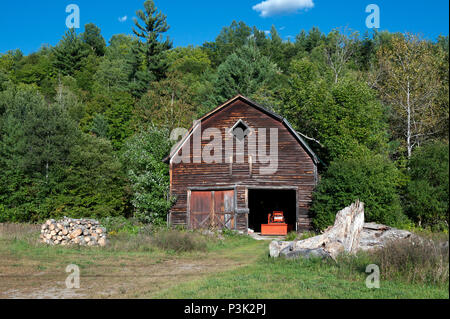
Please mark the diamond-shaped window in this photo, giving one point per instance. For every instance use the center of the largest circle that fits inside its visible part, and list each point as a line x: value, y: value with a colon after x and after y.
x: 240, y: 130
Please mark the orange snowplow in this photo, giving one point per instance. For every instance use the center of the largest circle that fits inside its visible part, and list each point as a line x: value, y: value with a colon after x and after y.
x: 276, y: 224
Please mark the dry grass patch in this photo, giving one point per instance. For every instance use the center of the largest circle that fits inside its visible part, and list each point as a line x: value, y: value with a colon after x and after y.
x: 17, y: 231
x: 179, y: 241
x: 416, y: 260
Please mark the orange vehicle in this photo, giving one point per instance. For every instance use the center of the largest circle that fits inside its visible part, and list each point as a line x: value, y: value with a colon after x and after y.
x: 276, y: 224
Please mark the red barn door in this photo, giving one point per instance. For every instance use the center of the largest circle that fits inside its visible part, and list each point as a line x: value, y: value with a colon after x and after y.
x: 212, y: 209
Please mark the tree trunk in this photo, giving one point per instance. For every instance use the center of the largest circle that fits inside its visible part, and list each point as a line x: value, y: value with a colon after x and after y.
x: 408, y: 120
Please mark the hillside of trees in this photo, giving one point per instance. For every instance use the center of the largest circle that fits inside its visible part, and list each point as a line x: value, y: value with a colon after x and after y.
x: 85, y: 124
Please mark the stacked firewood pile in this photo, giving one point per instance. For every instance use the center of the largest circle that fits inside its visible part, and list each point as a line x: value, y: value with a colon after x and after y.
x: 84, y: 232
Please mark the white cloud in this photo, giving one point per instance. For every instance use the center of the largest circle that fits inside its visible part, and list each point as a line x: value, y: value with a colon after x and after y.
x: 123, y: 19
x: 274, y: 7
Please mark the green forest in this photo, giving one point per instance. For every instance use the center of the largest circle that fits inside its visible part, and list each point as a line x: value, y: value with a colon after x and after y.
x: 85, y: 124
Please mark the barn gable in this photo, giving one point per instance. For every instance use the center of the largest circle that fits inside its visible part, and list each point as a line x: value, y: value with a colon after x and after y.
x: 251, y: 103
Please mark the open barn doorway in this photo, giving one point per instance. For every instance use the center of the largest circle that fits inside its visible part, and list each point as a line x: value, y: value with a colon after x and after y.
x: 261, y: 202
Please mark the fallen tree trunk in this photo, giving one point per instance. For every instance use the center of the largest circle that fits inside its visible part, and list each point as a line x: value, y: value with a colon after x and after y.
x: 343, y: 236
x: 376, y: 236
x: 348, y: 234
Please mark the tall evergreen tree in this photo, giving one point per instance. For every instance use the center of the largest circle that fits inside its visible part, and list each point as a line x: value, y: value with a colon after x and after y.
x: 70, y: 53
x: 243, y: 72
x: 229, y: 39
x: 276, y: 46
x: 151, y: 31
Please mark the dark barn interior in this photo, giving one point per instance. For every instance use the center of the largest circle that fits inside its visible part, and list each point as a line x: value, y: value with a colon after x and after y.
x: 261, y: 202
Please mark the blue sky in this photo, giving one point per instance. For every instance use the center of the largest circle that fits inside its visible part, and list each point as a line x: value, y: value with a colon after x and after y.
x: 29, y: 24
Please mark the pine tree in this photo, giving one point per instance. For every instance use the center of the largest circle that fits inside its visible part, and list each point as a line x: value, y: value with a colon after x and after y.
x: 243, y: 72
x: 276, y: 46
x: 70, y: 53
x: 154, y: 25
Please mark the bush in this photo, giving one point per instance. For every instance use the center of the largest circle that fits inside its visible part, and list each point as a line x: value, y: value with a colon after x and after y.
x: 148, y: 175
x: 373, y: 179
x: 428, y: 191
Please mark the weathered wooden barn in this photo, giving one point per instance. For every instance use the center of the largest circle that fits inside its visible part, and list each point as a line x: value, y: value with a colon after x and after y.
x: 257, y: 164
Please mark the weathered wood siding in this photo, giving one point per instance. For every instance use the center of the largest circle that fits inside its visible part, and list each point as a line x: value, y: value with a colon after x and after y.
x: 296, y: 168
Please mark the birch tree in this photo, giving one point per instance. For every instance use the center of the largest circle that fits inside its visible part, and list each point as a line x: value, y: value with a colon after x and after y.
x: 339, y: 49
x: 410, y: 83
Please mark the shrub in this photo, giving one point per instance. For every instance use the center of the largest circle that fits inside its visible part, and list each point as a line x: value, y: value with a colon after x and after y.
x: 428, y: 191
x: 373, y: 179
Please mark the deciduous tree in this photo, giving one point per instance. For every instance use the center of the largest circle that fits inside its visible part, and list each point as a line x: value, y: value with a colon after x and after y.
x: 410, y: 83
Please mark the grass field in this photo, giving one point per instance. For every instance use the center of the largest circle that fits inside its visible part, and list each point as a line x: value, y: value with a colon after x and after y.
x: 296, y: 279
x: 133, y: 267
